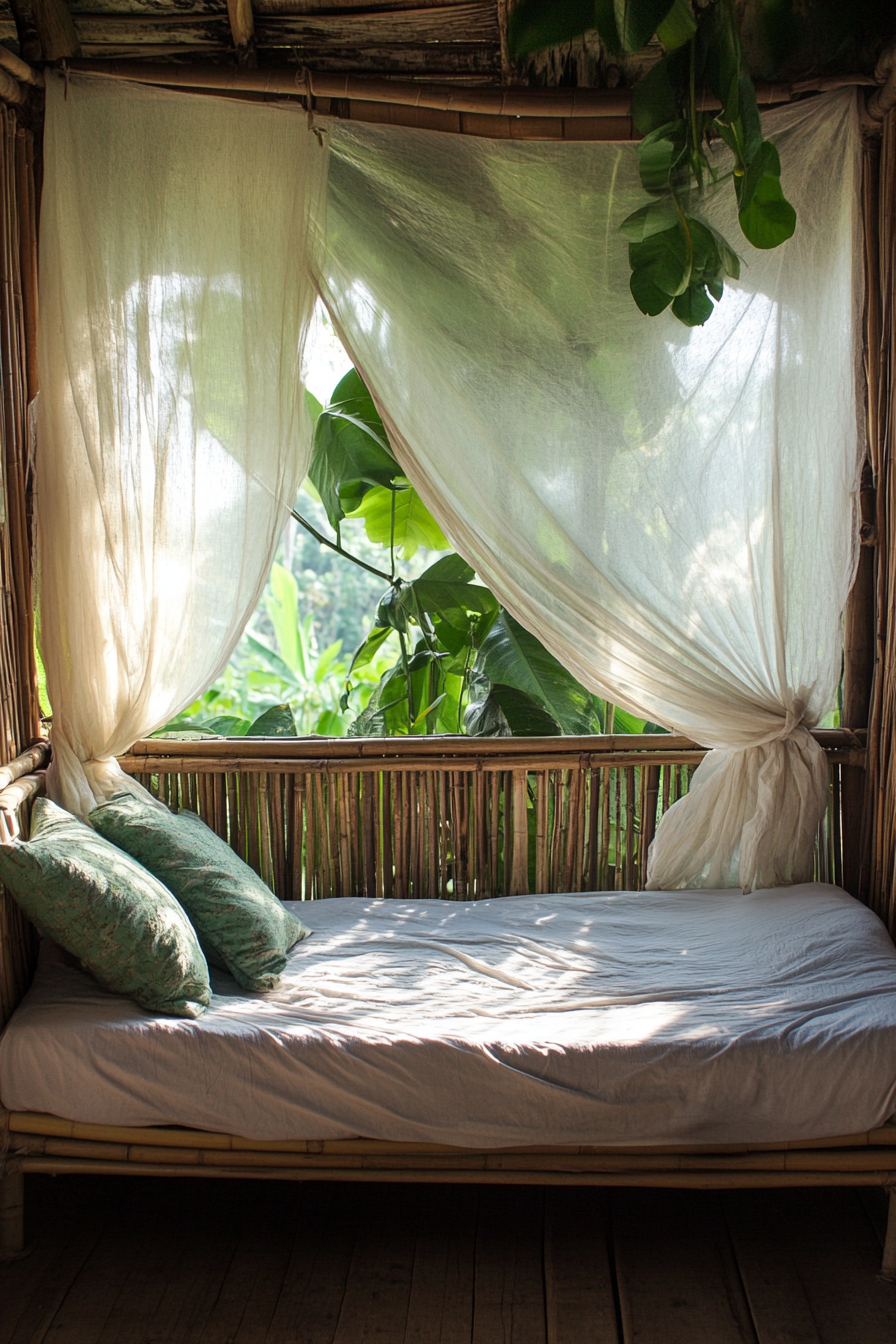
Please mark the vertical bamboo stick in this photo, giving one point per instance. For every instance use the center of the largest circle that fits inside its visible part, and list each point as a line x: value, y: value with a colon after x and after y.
x: 433, y: 888
x: 650, y: 783
x: 541, y: 831
x: 519, y: 881
x: 233, y: 812
x: 389, y: 804
x: 630, y: 796
x: 368, y: 834
x: 494, y: 833
x: 278, y: 837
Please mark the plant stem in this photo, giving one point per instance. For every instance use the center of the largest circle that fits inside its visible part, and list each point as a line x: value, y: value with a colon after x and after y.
x: 339, y: 549
x: 407, y: 680
x: 392, y: 539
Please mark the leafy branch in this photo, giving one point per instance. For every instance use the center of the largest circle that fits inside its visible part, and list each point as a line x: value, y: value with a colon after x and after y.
x: 676, y: 258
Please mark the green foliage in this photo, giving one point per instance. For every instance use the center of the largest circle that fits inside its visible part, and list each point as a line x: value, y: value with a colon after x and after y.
x: 351, y: 449
x: 395, y: 516
x: 442, y: 656
x: 677, y: 260
x: 511, y: 657
x: 464, y: 663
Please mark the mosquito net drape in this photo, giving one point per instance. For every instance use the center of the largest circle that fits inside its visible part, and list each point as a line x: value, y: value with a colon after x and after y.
x: 175, y: 291
x: 672, y: 512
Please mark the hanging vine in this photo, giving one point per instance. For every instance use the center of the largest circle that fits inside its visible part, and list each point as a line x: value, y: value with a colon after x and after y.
x: 678, y: 260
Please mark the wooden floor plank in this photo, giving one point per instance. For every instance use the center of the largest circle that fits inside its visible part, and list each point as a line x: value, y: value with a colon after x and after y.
x: 678, y: 1282
x: 248, y: 1299
x: 193, y: 1231
x: 143, y: 1261
x: 63, y: 1223
x: 83, y: 1314
x: 837, y: 1256
x: 509, y: 1303
x: 313, y: 1288
x: 375, y: 1305
x: 578, y: 1277
x: 781, y: 1311
x: 440, y: 1310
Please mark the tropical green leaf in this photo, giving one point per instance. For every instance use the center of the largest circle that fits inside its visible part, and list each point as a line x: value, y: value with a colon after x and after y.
x: 649, y: 297
x: 366, y: 652
x: 766, y: 216
x: 659, y: 155
x: 638, y: 20
x: 272, y: 660
x: 414, y: 524
x: 426, y: 711
x: 449, y: 569
x: 624, y: 722
x: 663, y: 259
x: 330, y: 724
x: 278, y: 721
x: 283, y: 608
x: 312, y: 406
x: 533, y: 25
x: 694, y: 306
x: 451, y: 601
x: 654, y: 218
x: 678, y: 27
x: 391, y: 613
x: 227, y: 725
x: 713, y: 255
x: 507, y: 711
x: 721, y: 55
x: 351, y: 449
x: 511, y: 656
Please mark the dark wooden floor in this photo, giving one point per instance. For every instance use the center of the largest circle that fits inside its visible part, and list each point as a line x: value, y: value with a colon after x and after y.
x: 137, y: 1261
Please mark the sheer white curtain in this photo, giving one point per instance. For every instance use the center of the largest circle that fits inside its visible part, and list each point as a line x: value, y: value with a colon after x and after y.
x: 175, y: 294
x: 672, y: 512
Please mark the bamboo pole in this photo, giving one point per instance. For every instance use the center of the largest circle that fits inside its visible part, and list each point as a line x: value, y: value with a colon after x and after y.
x: 698, y: 1180
x: 566, y: 103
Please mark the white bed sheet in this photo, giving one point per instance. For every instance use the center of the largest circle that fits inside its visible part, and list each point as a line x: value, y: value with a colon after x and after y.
x: 623, y: 1017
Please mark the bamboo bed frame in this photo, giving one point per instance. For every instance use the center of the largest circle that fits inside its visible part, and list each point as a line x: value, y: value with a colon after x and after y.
x: 436, y: 816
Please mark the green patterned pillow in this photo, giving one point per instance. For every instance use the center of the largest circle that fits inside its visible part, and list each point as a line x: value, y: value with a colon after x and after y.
x: 114, y: 916
x: 242, y: 926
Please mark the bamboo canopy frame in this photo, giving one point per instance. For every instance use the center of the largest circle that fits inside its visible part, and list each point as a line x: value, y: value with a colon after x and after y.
x: 437, y: 816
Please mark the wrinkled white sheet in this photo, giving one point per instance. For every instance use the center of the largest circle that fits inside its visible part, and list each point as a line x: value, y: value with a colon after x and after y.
x: 623, y: 1017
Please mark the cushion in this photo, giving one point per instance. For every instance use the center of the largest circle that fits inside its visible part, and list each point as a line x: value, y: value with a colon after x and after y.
x: 115, y: 917
x: 242, y: 926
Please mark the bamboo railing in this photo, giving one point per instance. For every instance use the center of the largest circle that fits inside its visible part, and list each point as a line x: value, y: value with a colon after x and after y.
x: 454, y: 817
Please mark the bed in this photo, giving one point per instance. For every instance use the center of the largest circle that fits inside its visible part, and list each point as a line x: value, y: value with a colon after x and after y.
x: 702, y: 1039
x: 619, y: 1018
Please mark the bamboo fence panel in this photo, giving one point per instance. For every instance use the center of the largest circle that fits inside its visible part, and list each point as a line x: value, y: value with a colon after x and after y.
x: 449, y: 820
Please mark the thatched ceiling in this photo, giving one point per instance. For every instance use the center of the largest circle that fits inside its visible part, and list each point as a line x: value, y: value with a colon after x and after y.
x: 446, y: 40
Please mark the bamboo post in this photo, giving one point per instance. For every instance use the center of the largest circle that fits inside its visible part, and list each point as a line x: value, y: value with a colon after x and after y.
x: 519, y: 881
x: 242, y: 28
x: 56, y: 29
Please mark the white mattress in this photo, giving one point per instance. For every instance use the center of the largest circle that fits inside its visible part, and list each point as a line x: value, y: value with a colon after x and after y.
x: 626, y: 1017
